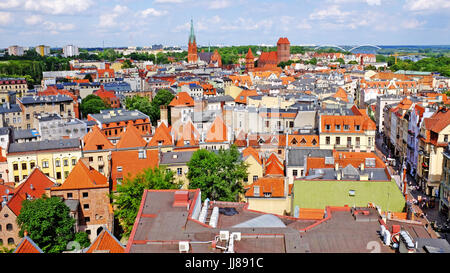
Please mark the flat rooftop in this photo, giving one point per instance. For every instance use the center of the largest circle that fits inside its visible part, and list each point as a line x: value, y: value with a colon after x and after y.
x: 160, y: 226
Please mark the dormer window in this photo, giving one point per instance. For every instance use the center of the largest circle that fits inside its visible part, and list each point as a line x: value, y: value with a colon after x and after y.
x: 327, y: 127
x: 99, y: 147
x: 338, y: 127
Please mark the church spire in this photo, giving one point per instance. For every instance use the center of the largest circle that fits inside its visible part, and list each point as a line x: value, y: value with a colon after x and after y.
x: 192, y: 35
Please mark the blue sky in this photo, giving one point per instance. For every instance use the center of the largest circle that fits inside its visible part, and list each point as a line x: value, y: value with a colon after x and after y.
x: 87, y: 23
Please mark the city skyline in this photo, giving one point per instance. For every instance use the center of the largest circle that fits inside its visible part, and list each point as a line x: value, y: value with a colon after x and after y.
x: 88, y: 23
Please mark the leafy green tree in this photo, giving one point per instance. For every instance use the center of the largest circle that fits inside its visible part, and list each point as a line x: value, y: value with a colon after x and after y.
x: 353, y: 62
x: 92, y: 104
x: 48, y: 223
x: 128, y: 197
x: 83, y: 239
x: 152, y: 109
x: 341, y: 61
x: 88, y: 77
x: 219, y: 176
x: 127, y: 64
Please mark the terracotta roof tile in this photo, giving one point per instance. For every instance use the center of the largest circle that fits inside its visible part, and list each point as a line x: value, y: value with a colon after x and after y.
x: 106, y: 242
x: 218, y: 131
x: 96, y: 138
x: 131, y: 138
x: 249, y: 151
x: 83, y: 177
x: 274, y: 186
x: 27, y: 245
x: 182, y: 99
x: 162, y: 134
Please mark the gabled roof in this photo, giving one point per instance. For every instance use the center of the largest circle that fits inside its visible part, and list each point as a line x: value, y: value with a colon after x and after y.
x: 249, y: 54
x: 182, y: 99
x: 275, y: 186
x: 241, y: 140
x: 162, y: 134
x: 283, y: 40
x: 106, y: 243
x: 83, y: 177
x: 217, y: 132
x: 249, y: 151
x: 242, y: 97
x: 131, y: 138
x: 438, y: 121
x: 34, y: 186
x: 341, y: 94
x: 274, y: 166
x: 102, y: 93
x: 95, y: 138
x: 27, y: 246
x: 186, y: 132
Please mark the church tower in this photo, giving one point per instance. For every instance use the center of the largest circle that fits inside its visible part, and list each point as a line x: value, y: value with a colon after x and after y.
x: 249, y: 61
x: 192, y: 46
x: 283, y: 50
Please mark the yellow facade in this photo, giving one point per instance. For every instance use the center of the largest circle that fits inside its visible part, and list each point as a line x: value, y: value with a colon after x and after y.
x: 180, y: 172
x: 117, y: 66
x: 255, y: 170
x: 270, y: 102
x: 51, y: 163
x: 280, y: 206
x: 233, y: 91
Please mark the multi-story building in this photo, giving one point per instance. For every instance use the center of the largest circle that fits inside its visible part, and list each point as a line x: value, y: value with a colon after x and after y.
x: 181, y: 107
x: 91, y: 189
x: 177, y: 162
x: 382, y: 101
x: 444, y: 194
x: 346, y: 129
x: 15, y: 50
x: 56, y: 158
x: 97, y: 149
x: 7, y: 85
x: 43, y: 50
x: 433, y: 139
x: 53, y: 127
x: 112, y: 122
x: 70, y: 51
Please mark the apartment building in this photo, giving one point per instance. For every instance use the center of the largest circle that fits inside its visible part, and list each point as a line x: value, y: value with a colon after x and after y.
x: 18, y: 85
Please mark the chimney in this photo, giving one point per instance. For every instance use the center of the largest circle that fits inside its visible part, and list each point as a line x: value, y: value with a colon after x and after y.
x: 338, y: 175
x: 362, y: 167
x: 336, y: 166
x: 181, y: 199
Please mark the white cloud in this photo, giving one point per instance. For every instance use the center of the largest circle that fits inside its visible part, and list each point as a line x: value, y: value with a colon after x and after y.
x: 170, y: 1
x: 152, y: 12
x: 303, y: 25
x: 427, y: 5
x: 33, y: 20
x: 219, y: 4
x: 248, y: 24
x: 332, y: 12
x: 5, y: 18
x: 57, y: 6
x: 412, y: 24
x: 373, y: 2
x: 9, y: 4
x: 58, y: 26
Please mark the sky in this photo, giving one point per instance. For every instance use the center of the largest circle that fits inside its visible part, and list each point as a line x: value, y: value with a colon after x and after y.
x: 92, y: 23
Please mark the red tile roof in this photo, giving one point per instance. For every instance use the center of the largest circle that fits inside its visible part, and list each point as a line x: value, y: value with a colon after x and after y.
x: 162, y: 134
x: 242, y: 97
x: 438, y: 121
x: 274, y: 186
x: 249, y: 151
x: 106, y: 242
x: 182, y: 99
x: 131, y: 164
x: 274, y: 166
x: 241, y: 139
x: 131, y: 138
x: 341, y: 94
x: 249, y: 54
x: 33, y: 186
x: 27, y: 246
x: 96, y: 138
x: 283, y: 40
x: 83, y: 177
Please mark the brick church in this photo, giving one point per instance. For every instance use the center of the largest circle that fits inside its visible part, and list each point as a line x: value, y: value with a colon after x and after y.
x: 212, y: 59
x: 270, y: 60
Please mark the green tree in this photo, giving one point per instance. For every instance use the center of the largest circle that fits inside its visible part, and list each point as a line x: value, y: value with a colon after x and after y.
x: 341, y: 61
x: 88, y: 77
x: 128, y: 197
x: 48, y: 223
x: 353, y: 62
x: 218, y: 175
x: 92, y: 104
x: 127, y: 64
x: 83, y: 239
x: 163, y: 97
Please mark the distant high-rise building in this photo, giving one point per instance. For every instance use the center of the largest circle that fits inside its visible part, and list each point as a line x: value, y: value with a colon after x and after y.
x: 15, y: 50
x: 43, y: 50
x: 192, y: 46
x: 70, y: 51
x: 157, y: 47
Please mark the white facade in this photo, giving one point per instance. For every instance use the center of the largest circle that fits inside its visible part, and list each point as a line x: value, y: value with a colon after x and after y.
x: 70, y: 50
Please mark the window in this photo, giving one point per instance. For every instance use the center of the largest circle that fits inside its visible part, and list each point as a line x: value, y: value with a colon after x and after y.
x: 85, y: 194
x: 58, y: 175
x: 66, y: 174
x: 74, y: 161
x: 91, y: 159
x: 327, y: 127
x: 15, y: 166
x: 24, y: 166
x: 294, y: 173
x: 338, y: 140
x: 346, y: 127
x: 9, y: 227
x: 327, y: 140
x: 119, y: 168
x: 16, y: 178
x: 357, y: 127
x: 267, y: 194
x: 256, y: 190
x: 100, y: 158
x: 69, y: 195
x: 337, y: 127
x: 57, y: 163
x: 179, y: 171
x: 86, y: 206
x: 32, y: 164
x: 255, y: 177
x: 119, y: 181
x: 99, y: 147
x: 87, y: 219
x: 10, y: 241
x: 66, y: 162
x: 349, y: 141
x: 45, y: 164
x: 267, y: 124
x: 445, y: 138
x: 142, y: 154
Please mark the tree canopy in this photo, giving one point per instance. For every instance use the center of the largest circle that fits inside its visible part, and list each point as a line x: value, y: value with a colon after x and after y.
x: 150, y: 108
x: 218, y: 175
x: 47, y: 222
x: 92, y: 104
x: 128, y: 197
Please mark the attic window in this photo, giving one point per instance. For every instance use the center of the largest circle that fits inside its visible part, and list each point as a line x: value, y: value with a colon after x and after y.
x: 314, y: 142
x: 294, y: 141
x: 357, y: 127
x: 267, y: 194
x: 119, y: 168
x: 99, y: 147
x: 303, y: 142
x: 260, y: 141
x: 256, y: 190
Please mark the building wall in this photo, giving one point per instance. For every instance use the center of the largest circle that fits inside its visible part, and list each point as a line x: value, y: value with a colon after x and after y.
x: 319, y: 194
x: 99, y: 160
x: 367, y: 142
x: 180, y: 177
x: 19, y: 173
x: 273, y: 205
x: 254, y: 169
x: 98, y: 210
x: 5, y: 234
